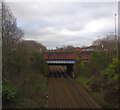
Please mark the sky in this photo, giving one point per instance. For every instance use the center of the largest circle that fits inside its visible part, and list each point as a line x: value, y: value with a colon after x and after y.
x: 58, y: 24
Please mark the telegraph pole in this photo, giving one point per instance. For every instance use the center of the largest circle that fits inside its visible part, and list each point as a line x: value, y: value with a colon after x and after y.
x: 116, y: 36
x: 115, y: 24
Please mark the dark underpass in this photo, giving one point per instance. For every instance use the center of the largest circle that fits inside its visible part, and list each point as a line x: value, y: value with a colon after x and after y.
x: 62, y: 69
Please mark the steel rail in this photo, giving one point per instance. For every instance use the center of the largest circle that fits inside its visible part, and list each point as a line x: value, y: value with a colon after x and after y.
x: 69, y: 85
x: 90, y: 102
x: 53, y: 88
x: 66, y: 89
x: 65, y: 96
x: 57, y: 98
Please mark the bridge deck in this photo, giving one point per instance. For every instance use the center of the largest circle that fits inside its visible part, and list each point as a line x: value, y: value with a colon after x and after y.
x: 60, y: 61
x: 59, y: 55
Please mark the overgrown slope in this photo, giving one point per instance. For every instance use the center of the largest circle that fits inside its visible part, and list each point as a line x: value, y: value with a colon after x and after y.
x: 100, y: 76
x: 26, y: 71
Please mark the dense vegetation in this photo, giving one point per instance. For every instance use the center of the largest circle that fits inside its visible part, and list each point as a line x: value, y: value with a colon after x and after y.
x: 100, y: 75
x: 24, y: 70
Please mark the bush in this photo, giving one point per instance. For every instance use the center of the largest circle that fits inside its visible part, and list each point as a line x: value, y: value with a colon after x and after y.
x: 83, y: 80
x: 38, y: 63
x: 112, y: 94
x: 112, y: 70
x: 95, y: 86
x: 96, y: 83
x: 9, y: 92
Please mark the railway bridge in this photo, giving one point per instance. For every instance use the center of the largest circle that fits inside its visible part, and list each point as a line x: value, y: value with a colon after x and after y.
x: 67, y: 59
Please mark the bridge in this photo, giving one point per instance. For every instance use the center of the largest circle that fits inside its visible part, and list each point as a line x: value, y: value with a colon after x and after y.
x: 67, y: 59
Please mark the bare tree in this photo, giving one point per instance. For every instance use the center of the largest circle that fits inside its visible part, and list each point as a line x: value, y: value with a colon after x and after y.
x: 11, y: 34
x: 107, y: 43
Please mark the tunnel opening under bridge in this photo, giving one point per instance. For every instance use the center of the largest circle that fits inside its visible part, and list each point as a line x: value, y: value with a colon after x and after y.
x: 60, y: 70
x: 57, y: 58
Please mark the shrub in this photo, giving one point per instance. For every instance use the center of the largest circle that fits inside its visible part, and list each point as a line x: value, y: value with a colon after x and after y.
x: 112, y: 94
x: 96, y: 84
x: 83, y: 80
x: 9, y: 92
x: 38, y: 63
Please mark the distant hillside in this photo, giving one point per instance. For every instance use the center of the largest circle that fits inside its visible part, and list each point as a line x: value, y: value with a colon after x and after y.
x: 33, y: 45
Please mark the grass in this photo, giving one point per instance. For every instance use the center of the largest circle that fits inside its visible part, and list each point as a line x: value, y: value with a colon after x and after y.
x: 83, y: 80
x: 99, y: 97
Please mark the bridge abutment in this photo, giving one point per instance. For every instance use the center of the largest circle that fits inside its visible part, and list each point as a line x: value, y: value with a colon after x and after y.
x: 69, y: 70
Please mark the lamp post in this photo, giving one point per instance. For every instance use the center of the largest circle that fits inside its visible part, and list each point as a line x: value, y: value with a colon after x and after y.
x: 116, y: 36
x: 115, y: 24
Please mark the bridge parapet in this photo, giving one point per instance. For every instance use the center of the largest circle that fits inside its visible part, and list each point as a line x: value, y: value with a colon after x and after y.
x: 59, y: 55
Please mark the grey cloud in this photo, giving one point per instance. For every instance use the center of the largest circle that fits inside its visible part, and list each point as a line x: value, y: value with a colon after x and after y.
x: 64, y: 23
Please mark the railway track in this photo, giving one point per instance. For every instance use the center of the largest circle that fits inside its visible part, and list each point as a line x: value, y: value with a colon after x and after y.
x: 64, y: 93
x: 76, y: 97
x: 63, y: 99
x: 68, y: 83
x: 56, y: 93
x: 81, y: 92
x: 55, y: 98
x: 68, y: 91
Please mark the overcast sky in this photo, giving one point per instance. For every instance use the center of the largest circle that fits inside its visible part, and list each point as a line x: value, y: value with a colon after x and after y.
x: 57, y: 24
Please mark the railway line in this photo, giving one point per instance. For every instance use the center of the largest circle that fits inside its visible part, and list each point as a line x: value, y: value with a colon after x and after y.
x: 61, y: 91
x: 64, y: 92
